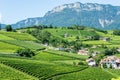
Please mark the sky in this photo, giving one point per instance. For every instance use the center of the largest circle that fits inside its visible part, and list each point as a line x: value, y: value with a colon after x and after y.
x: 12, y: 11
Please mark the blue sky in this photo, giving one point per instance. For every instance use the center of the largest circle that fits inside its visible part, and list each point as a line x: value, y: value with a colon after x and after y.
x: 13, y: 11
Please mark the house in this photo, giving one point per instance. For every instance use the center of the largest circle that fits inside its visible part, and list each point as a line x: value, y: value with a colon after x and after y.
x: 110, y: 62
x: 65, y: 35
x: 105, y: 39
x: 118, y: 49
x: 94, y: 46
x: 91, y: 62
x: 95, y: 53
x: 89, y: 37
x: 83, y: 52
x: 61, y: 49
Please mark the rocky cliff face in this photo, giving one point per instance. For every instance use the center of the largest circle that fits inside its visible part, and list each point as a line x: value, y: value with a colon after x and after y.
x: 89, y: 14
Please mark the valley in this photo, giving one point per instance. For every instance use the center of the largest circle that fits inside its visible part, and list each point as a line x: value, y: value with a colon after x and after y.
x: 57, y: 53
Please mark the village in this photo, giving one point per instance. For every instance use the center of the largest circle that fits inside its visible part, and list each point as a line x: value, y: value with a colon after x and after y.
x: 112, y: 62
x: 108, y: 61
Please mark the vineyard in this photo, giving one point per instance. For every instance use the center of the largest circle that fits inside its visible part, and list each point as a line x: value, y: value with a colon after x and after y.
x: 19, y: 36
x: 87, y: 74
x: 49, y: 63
x: 8, y: 73
x: 72, y: 55
x: 40, y: 69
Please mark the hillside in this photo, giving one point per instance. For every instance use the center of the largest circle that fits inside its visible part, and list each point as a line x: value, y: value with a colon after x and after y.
x: 50, y: 62
x: 89, y: 14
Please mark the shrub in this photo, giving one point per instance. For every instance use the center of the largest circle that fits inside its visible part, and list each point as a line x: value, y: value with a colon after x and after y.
x: 8, y: 28
x: 81, y: 63
x: 116, y: 32
x: 25, y: 52
x: 104, y: 66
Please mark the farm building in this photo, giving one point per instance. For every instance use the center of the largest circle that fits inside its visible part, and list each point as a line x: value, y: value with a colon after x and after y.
x: 95, y: 53
x: 110, y: 62
x: 105, y: 39
x: 91, y: 62
x: 65, y: 35
x: 83, y: 52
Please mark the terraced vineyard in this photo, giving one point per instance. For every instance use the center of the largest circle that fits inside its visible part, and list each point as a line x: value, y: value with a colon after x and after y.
x: 87, y: 74
x: 6, y: 47
x: 19, y: 36
x: 8, y: 73
x: 71, y: 55
x: 40, y: 69
x: 71, y: 33
x: 20, y: 39
x: 50, y: 57
x: 51, y: 64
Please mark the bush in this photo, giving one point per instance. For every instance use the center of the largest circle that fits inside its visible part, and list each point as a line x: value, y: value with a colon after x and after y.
x: 116, y: 32
x: 9, y: 28
x: 81, y: 63
x: 25, y: 52
x: 104, y: 66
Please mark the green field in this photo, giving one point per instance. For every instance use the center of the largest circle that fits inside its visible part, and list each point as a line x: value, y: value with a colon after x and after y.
x: 40, y: 69
x: 70, y: 55
x: 8, y: 73
x: 6, y: 47
x: 50, y: 57
x: 51, y: 64
x: 87, y: 74
x: 19, y: 36
x: 71, y: 33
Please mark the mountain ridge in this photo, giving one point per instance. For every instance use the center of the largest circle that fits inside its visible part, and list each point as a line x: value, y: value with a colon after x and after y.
x: 89, y: 14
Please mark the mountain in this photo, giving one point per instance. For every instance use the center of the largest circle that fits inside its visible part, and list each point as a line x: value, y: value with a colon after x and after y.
x: 89, y: 14
x: 2, y: 25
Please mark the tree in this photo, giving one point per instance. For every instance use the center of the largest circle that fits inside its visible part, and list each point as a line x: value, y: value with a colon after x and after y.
x: 111, y: 51
x: 8, y: 28
x: 25, y: 52
x: 116, y: 32
x: 98, y: 57
x: 104, y: 65
x: 77, y: 38
x: 95, y: 37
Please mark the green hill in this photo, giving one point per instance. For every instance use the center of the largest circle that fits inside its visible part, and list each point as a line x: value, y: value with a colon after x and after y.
x: 50, y: 63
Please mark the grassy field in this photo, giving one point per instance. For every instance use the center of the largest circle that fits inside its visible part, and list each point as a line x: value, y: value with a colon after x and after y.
x: 8, y: 73
x: 87, y: 74
x: 114, y: 71
x: 40, y: 69
x: 21, y: 42
x: 96, y: 42
x: 5, y: 47
x: 19, y: 36
x: 71, y: 55
x: 52, y: 64
x: 50, y: 57
x: 71, y: 33
x: 24, y: 44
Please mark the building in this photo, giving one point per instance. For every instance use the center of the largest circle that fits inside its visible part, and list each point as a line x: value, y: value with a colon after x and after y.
x: 95, y: 53
x: 91, y: 62
x: 110, y: 62
x: 83, y: 52
x: 65, y: 35
x: 105, y: 39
